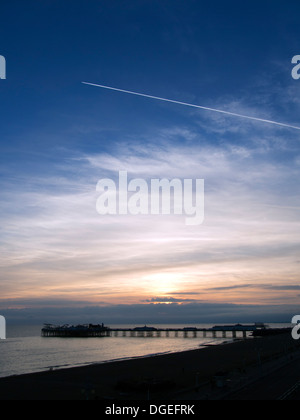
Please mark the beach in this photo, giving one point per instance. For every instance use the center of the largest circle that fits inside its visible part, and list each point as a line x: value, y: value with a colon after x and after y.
x: 169, y: 376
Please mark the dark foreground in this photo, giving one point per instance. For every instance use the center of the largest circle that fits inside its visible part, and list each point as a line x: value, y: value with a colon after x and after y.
x: 241, y: 370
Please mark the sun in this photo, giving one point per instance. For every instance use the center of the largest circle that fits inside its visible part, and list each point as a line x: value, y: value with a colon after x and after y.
x: 162, y: 283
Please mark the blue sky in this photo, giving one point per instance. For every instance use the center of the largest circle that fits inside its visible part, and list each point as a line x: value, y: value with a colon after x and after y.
x: 59, y: 137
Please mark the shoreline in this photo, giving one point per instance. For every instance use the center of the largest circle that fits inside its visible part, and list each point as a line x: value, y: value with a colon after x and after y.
x: 57, y: 367
x: 127, y: 379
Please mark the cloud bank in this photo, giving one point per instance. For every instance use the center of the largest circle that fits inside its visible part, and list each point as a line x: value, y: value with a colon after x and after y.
x: 54, y: 246
x: 160, y: 313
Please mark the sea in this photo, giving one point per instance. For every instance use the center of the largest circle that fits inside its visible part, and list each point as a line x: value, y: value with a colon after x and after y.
x: 26, y: 351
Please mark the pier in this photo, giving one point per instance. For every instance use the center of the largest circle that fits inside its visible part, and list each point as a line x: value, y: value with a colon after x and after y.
x: 84, y: 331
x: 90, y: 330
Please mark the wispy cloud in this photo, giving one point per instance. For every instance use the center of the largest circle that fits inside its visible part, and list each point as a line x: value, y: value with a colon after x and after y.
x: 283, y: 287
x: 56, y: 245
x: 235, y: 287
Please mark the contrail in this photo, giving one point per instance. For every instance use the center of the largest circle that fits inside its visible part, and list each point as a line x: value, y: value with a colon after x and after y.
x: 194, y: 106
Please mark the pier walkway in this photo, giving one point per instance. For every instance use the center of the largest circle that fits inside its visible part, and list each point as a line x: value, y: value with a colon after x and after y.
x: 90, y: 330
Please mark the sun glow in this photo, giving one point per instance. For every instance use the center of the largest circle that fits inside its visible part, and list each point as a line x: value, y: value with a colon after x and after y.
x: 162, y: 283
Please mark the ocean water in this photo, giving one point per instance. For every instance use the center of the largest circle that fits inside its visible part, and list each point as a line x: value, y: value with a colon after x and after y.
x: 25, y: 351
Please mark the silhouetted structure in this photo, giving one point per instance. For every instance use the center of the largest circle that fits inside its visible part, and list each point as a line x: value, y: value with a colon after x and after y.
x: 100, y: 330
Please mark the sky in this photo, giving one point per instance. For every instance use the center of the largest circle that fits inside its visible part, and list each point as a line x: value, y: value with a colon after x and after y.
x: 62, y: 261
